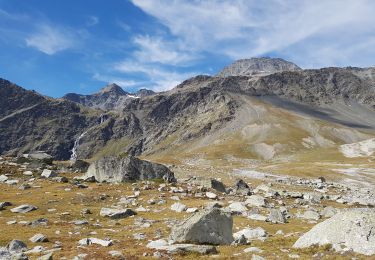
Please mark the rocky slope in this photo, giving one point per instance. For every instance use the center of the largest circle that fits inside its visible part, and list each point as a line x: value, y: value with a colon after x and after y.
x: 111, y: 97
x: 257, y: 66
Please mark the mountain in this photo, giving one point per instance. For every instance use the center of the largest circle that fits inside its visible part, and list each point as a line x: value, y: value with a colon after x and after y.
x: 286, y: 115
x: 111, y: 97
x: 257, y: 66
x: 32, y: 122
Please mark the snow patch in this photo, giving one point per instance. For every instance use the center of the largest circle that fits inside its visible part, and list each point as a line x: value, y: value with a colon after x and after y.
x: 359, y: 149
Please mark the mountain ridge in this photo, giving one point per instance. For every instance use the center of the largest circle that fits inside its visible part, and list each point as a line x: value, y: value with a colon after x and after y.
x: 199, y: 113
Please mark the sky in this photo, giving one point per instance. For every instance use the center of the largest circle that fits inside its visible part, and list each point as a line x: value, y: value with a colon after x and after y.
x: 56, y: 47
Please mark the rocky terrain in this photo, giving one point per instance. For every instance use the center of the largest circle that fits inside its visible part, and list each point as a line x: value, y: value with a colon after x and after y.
x: 59, y: 211
x: 265, y: 160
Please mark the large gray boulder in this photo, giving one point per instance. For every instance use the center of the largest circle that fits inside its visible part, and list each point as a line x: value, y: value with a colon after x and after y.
x: 210, y: 226
x: 353, y: 229
x: 127, y: 169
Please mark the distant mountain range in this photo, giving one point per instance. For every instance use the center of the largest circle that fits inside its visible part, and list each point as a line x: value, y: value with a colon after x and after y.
x: 259, y: 108
x: 110, y: 97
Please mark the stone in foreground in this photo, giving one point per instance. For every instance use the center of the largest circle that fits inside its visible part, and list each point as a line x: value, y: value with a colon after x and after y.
x: 37, y: 238
x: 211, y: 226
x: 117, y: 169
x: 348, y: 230
x: 93, y: 240
x: 23, y: 208
x: 116, y: 213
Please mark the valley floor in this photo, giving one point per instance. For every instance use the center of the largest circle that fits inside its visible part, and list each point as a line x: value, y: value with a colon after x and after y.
x: 64, y: 206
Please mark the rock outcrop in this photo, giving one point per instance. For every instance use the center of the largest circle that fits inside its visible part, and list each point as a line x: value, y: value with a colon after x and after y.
x: 353, y: 229
x: 127, y: 169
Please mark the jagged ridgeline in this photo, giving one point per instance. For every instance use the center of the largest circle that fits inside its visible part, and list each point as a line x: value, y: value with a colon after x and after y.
x: 259, y: 108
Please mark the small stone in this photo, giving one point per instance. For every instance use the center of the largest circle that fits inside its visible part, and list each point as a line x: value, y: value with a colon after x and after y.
x: 192, y: 210
x: 276, y: 216
x: 92, y: 240
x: 38, y: 238
x: 3, y: 178
x: 23, y: 208
x: 16, y: 246
x: 46, y: 257
x: 211, y: 195
x: 116, y: 213
x: 237, y: 208
x: 253, y: 250
x: 310, y: 215
x: 250, y: 234
x: 80, y: 222
x: 4, y: 204
x: 24, y: 186
x: 48, y: 174
x: 28, y: 173
x: 256, y: 201
x: 178, y: 207
x: 116, y: 254
x: 86, y: 211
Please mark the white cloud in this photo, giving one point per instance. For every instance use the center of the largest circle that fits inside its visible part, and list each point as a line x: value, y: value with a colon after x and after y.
x: 160, y: 79
x: 245, y: 28
x: 156, y: 49
x: 51, y: 40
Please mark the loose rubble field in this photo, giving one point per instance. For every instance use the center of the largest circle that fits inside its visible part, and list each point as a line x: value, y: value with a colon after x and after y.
x: 69, y: 214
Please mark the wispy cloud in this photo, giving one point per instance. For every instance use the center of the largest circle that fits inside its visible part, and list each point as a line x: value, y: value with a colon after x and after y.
x: 159, y: 78
x: 155, y: 49
x: 246, y: 28
x: 51, y: 40
x: 92, y: 20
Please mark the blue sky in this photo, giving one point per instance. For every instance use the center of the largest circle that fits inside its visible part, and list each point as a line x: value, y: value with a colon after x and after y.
x: 56, y: 47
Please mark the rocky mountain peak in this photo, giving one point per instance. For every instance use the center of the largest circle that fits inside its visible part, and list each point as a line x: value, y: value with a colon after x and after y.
x: 257, y: 66
x: 113, y: 88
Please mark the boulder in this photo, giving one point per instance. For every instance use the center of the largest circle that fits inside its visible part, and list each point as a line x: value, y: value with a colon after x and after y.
x: 23, y: 208
x: 352, y: 229
x: 210, y: 226
x: 116, y: 213
x: 117, y: 169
